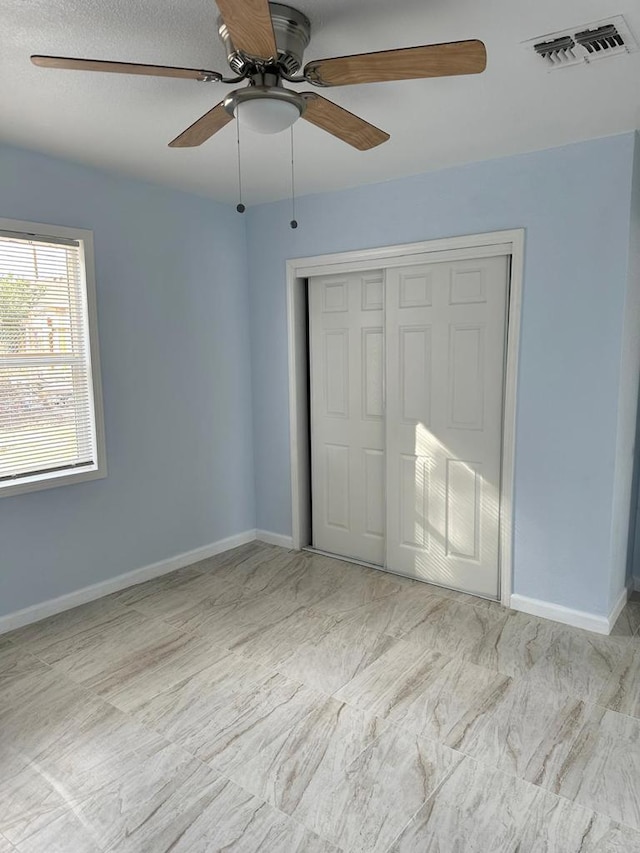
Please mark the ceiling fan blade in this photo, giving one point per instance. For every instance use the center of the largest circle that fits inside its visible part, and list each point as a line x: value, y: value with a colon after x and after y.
x: 122, y: 67
x: 409, y: 63
x: 203, y: 129
x: 341, y: 123
x: 250, y: 26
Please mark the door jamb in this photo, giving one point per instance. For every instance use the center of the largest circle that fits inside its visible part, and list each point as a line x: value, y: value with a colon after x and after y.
x: 509, y: 242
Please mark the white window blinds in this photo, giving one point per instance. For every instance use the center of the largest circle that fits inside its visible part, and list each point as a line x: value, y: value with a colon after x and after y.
x: 47, y: 421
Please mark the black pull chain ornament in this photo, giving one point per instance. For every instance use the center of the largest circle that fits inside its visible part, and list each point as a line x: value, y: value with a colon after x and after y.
x: 294, y: 221
x: 240, y: 206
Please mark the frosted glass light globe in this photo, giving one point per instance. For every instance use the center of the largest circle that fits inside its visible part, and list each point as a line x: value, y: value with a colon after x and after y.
x: 267, y: 115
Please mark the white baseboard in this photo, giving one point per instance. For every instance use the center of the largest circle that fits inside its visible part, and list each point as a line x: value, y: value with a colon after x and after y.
x: 618, y: 607
x: 97, y: 590
x: 274, y: 538
x: 558, y: 613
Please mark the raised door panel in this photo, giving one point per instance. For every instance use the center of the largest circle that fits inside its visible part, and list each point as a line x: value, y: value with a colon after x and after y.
x: 347, y: 403
x: 415, y: 288
x: 466, y: 376
x: 374, y: 515
x: 372, y: 373
x: 467, y: 285
x: 414, y: 371
x: 336, y: 470
x: 462, y: 497
x: 335, y: 296
x: 336, y: 373
x: 414, y: 503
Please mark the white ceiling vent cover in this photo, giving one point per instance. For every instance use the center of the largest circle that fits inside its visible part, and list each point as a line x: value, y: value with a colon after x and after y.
x: 574, y: 46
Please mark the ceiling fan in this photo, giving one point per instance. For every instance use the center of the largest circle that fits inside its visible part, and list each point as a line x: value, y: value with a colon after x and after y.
x: 265, y: 43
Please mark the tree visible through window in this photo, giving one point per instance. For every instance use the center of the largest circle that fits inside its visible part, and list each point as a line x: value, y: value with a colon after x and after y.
x: 47, y: 416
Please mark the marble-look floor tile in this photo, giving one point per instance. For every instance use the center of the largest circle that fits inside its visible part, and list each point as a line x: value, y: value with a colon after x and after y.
x: 16, y: 664
x: 39, y: 709
x: 106, y: 656
x: 133, y: 685
x: 106, y: 666
x: 558, y: 657
x: 229, y: 624
x: 531, y: 733
x: 93, y: 617
x: 392, y: 614
x: 356, y: 587
x: 628, y: 623
x: 428, y: 693
x: 207, y: 592
x: 345, y: 779
x: 556, y: 825
x: 273, y: 642
x: 225, y: 818
x: 63, y: 780
x: 133, y: 814
x: 200, y: 592
x: 464, y: 598
x: 331, y: 656
x: 518, y: 645
x: 475, y: 810
x: 5, y: 846
x: 61, y: 831
x: 576, y: 662
x: 379, y: 792
x: 29, y: 797
x: 243, y: 558
x: 313, y: 579
x: 80, y: 747
x: 454, y: 628
x: 239, y: 559
x: 164, y: 586
x: 228, y: 713
x: 602, y: 772
x: 622, y: 692
x: 308, y: 755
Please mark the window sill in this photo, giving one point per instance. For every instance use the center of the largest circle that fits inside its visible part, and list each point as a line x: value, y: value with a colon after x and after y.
x: 50, y: 481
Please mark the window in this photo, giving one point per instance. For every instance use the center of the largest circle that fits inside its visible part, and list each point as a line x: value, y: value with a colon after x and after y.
x: 51, y: 430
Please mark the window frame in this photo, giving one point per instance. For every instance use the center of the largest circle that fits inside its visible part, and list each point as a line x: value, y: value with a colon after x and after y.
x: 98, y: 470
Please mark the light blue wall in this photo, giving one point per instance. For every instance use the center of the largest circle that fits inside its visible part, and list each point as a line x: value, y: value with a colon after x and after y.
x: 633, y: 563
x: 174, y: 340
x: 574, y: 203
x: 627, y: 397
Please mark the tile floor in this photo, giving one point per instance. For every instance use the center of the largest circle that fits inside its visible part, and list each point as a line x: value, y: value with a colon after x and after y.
x: 268, y: 700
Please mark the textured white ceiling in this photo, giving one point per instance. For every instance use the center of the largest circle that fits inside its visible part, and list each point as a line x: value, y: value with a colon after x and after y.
x: 124, y: 123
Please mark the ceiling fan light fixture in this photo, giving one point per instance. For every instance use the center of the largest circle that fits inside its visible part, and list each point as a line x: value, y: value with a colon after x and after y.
x: 266, y: 115
x: 265, y: 109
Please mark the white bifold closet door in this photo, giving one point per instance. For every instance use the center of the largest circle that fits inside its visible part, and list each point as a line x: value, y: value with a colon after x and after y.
x: 445, y: 345
x: 347, y: 428
x: 410, y: 479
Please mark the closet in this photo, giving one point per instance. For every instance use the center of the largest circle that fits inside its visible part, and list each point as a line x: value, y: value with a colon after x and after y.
x: 406, y: 369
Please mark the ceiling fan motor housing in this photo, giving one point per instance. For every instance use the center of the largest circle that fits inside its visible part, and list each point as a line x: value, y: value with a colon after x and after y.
x: 292, y: 30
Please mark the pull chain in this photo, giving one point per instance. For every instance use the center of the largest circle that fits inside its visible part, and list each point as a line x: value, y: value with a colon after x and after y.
x: 294, y: 222
x: 240, y: 206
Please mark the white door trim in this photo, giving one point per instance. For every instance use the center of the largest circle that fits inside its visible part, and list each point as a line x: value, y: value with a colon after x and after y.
x: 450, y: 248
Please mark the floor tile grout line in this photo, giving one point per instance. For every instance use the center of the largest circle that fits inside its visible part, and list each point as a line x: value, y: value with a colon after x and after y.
x: 11, y: 845
x: 423, y: 804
